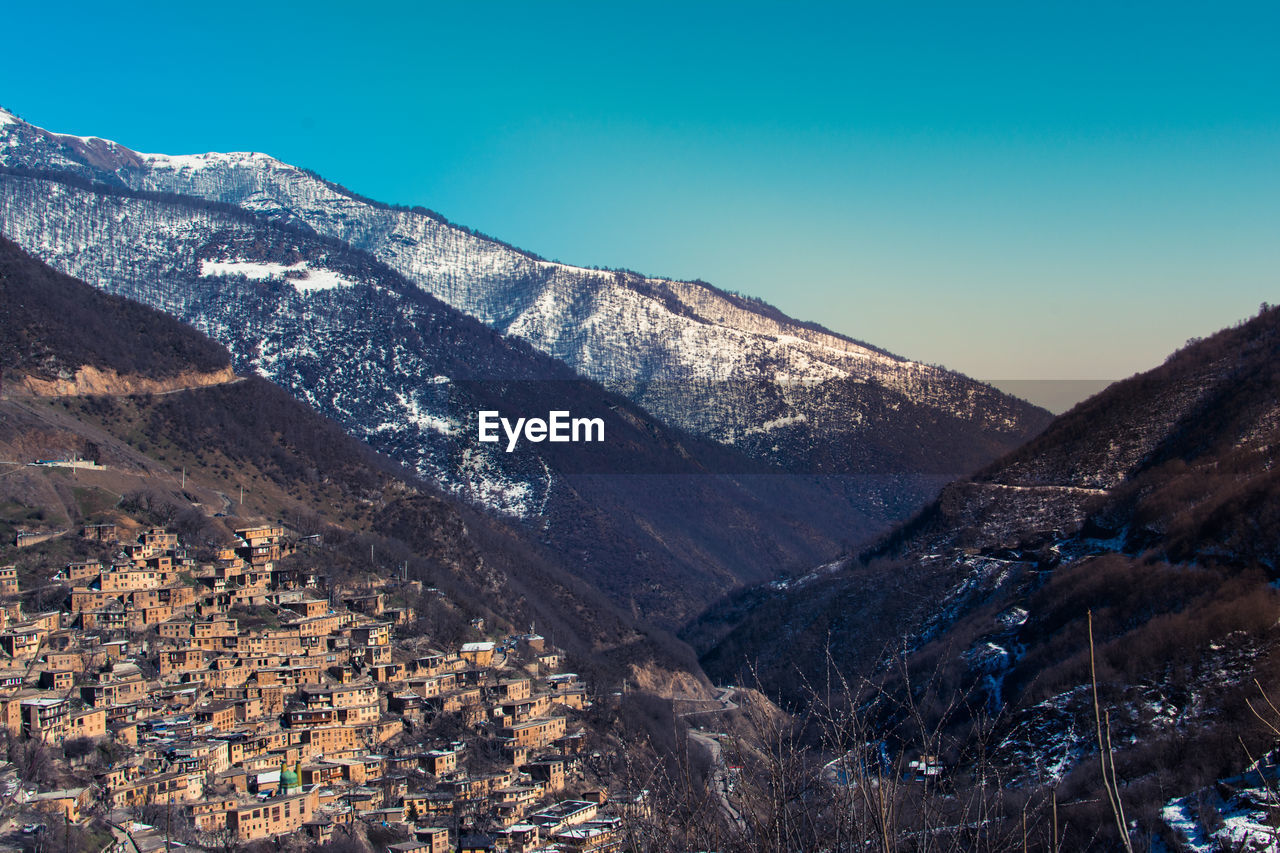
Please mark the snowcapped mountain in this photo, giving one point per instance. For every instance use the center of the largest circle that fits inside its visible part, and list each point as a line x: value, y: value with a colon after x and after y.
x: 402, y: 327
x: 718, y: 365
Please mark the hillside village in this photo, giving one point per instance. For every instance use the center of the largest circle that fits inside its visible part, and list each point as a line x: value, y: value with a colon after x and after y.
x: 227, y: 702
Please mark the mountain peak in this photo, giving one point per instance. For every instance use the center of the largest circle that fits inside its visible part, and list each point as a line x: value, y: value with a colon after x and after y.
x: 111, y: 156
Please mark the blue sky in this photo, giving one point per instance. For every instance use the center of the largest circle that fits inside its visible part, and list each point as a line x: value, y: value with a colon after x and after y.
x: 1020, y: 190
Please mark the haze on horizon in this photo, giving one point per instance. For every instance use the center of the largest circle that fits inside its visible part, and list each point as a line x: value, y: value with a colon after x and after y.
x: 1065, y: 192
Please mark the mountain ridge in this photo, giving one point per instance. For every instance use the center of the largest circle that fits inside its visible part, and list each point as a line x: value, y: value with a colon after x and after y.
x: 649, y: 339
x: 93, y: 149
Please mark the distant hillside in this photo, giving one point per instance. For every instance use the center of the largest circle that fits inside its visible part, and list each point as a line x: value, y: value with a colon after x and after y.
x: 1152, y: 505
x: 1177, y: 459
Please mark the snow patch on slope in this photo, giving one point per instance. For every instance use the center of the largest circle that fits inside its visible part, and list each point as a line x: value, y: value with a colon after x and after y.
x: 321, y: 279
x: 776, y: 423
x: 303, y: 278
x: 1233, y: 814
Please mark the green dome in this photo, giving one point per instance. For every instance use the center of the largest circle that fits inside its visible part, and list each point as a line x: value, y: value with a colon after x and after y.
x: 289, y: 779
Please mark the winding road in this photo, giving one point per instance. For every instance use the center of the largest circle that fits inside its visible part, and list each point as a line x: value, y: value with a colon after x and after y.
x: 719, y: 772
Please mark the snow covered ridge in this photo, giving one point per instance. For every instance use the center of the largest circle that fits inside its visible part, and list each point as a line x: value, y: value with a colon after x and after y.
x: 698, y: 328
x: 212, y: 159
x: 712, y: 363
x: 300, y: 275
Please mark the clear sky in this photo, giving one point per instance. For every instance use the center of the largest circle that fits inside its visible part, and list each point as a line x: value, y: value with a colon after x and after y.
x: 1019, y: 190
